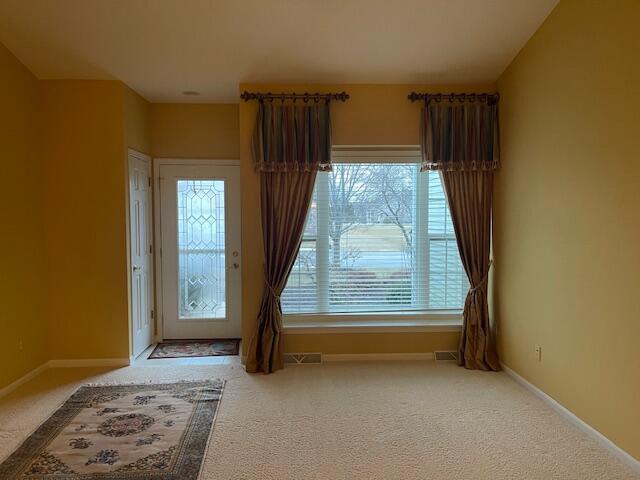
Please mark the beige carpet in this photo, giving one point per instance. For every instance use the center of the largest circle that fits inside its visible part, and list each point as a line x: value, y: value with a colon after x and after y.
x: 396, y: 420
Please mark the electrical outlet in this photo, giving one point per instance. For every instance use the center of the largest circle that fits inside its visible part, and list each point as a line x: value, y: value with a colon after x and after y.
x: 539, y: 353
x: 20, y: 345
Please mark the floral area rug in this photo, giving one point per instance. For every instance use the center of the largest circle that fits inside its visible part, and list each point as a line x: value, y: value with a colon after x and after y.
x: 196, y: 348
x: 151, y: 431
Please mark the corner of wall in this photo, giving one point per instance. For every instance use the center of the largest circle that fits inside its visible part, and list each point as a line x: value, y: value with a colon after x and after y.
x: 566, y: 222
x: 86, y: 274
x: 22, y: 323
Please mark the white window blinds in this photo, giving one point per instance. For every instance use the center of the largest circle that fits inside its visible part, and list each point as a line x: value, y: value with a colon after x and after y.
x: 378, y: 238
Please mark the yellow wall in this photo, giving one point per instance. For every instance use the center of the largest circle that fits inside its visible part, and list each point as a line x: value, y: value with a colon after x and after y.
x: 567, y: 237
x: 64, y: 292
x: 137, y: 122
x: 185, y: 130
x: 21, y: 242
x: 87, y: 127
x: 85, y: 219
x: 374, y: 115
x: 359, y: 343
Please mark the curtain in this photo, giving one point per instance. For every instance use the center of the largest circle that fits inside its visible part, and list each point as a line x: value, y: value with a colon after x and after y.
x: 460, y: 135
x: 461, y: 139
x: 470, y: 201
x: 292, y: 138
x: 291, y: 143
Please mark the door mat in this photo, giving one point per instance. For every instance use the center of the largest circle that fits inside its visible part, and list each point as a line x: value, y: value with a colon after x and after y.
x: 196, y: 348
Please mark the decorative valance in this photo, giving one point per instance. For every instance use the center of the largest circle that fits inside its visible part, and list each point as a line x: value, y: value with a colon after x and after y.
x: 292, y: 137
x: 460, y: 132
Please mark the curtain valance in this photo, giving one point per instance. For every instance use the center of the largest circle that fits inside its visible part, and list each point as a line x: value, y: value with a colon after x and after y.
x: 291, y: 138
x: 460, y: 135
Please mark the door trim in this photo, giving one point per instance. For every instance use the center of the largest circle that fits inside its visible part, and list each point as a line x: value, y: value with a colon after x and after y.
x: 157, y: 227
x: 140, y: 156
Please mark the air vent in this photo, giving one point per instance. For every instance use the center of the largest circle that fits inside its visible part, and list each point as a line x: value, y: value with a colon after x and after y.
x: 302, y: 358
x: 443, y: 356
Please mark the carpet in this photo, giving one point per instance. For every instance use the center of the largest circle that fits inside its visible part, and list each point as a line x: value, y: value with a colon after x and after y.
x: 196, y: 348
x: 150, y: 431
x: 405, y: 420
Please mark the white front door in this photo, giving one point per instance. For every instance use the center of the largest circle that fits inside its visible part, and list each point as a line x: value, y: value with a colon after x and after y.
x: 200, y: 257
x: 140, y: 251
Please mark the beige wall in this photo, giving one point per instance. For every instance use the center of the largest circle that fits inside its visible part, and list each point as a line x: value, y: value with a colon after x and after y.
x: 137, y: 122
x: 374, y: 115
x: 81, y: 266
x: 85, y: 219
x: 184, y: 130
x: 64, y: 157
x: 567, y: 225
x: 87, y: 128
x: 360, y: 343
x: 22, y: 240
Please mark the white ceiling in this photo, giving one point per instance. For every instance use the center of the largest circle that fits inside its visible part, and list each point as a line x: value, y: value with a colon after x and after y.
x: 162, y: 47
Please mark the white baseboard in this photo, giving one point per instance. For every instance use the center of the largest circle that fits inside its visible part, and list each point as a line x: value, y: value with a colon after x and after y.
x: 370, y: 357
x: 89, y: 362
x: 576, y: 421
x: 24, y: 379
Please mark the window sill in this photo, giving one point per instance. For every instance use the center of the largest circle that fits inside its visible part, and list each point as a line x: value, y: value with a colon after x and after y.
x: 360, y: 323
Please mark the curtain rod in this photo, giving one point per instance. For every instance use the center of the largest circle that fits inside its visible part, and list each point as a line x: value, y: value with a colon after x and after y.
x: 462, y: 97
x: 305, y: 97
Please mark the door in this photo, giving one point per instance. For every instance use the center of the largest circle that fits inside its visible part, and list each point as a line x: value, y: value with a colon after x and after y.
x: 200, y: 256
x: 140, y: 251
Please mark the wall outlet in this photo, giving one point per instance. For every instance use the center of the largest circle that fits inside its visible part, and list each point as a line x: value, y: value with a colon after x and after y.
x: 538, y: 353
x: 20, y: 345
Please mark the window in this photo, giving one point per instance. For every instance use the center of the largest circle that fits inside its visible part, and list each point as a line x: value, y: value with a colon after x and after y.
x: 378, y: 238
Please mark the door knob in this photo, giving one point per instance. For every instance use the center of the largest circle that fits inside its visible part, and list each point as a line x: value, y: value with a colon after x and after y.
x: 136, y: 268
x: 235, y: 266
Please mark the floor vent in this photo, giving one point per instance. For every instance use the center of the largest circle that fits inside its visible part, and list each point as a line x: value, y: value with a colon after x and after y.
x: 301, y: 358
x: 443, y: 356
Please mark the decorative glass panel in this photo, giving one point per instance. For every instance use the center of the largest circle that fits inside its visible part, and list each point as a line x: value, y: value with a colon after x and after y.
x: 201, y: 249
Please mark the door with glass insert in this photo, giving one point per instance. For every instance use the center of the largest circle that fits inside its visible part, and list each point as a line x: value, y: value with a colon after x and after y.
x: 200, y: 227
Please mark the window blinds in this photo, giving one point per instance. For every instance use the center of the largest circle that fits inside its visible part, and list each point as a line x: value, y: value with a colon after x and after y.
x: 378, y: 238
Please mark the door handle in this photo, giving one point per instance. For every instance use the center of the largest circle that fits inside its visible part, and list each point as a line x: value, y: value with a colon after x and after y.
x: 136, y: 268
x: 235, y: 266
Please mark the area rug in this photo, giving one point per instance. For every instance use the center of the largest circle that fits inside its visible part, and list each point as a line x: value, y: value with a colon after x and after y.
x: 196, y: 348
x: 150, y: 431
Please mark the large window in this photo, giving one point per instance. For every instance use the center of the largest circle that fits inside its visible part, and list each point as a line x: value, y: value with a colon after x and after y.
x: 378, y: 238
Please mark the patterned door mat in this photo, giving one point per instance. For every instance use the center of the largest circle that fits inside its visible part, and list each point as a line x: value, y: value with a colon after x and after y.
x: 151, y: 431
x: 196, y: 348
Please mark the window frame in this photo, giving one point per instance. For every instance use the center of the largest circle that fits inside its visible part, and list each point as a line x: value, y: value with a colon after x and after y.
x: 383, y: 321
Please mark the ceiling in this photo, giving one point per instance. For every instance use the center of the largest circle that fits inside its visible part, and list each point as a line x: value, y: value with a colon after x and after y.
x: 161, y: 48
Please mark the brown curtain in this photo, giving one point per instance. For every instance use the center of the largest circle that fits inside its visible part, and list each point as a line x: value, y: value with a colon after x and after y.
x: 285, y: 201
x: 461, y: 140
x: 470, y: 201
x: 291, y: 144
